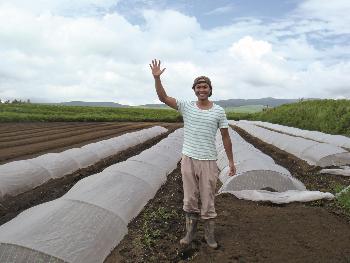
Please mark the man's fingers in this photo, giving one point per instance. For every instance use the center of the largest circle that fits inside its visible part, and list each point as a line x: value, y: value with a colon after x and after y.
x: 158, y: 63
x: 162, y: 70
x: 150, y: 66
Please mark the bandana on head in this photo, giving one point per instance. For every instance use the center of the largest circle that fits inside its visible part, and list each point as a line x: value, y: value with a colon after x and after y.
x: 203, y: 79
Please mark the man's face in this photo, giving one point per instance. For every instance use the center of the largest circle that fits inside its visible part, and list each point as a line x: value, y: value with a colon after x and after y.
x: 202, y: 91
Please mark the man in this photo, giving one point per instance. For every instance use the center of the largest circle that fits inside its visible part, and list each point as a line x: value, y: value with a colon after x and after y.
x: 198, y: 165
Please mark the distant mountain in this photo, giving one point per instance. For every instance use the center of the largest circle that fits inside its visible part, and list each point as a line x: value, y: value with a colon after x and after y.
x: 271, y: 102
x: 94, y: 104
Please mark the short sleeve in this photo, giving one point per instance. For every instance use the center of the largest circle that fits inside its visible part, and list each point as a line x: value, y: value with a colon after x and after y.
x: 223, y: 123
x: 180, y: 105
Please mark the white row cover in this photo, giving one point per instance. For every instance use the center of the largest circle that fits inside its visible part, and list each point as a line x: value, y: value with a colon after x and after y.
x: 20, y: 176
x: 87, y: 222
x: 338, y: 140
x: 344, y: 171
x: 315, y: 153
x: 281, y: 198
x: 256, y: 171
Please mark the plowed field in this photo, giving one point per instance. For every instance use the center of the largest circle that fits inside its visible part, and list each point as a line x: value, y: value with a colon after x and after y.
x: 27, y: 140
x: 246, y: 231
x: 23, y: 141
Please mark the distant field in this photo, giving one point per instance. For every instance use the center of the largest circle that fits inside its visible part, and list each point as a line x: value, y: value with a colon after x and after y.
x: 329, y: 116
x: 245, y: 109
x: 50, y: 113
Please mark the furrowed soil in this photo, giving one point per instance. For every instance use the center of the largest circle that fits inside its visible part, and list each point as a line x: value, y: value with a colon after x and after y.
x: 27, y: 140
x: 246, y: 231
x: 10, y: 207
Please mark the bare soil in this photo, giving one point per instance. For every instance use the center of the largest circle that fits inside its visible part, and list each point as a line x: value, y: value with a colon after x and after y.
x: 23, y: 141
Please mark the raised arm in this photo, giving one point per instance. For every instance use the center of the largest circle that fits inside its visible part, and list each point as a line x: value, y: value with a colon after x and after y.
x: 163, y: 97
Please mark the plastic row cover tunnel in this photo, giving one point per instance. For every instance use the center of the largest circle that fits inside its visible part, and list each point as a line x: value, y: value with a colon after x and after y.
x: 338, y: 140
x: 315, y: 153
x: 21, y: 176
x: 87, y: 222
x: 255, y: 170
x: 257, y: 175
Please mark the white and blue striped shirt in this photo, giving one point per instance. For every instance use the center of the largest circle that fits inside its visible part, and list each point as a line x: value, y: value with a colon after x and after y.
x: 200, y: 127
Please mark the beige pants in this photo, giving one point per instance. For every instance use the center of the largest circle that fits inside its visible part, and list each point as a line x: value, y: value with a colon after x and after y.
x: 199, y: 181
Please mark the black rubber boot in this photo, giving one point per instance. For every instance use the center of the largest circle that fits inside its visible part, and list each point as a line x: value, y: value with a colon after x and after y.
x: 209, y: 229
x: 191, y: 227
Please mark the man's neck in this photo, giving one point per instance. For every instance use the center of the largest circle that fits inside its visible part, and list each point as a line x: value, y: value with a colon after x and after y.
x: 204, y: 104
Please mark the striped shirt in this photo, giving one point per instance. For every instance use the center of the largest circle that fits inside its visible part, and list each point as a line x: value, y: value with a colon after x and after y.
x: 200, y: 127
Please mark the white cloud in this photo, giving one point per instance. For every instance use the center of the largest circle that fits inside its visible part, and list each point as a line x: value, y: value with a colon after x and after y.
x: 220, y: 10
x: 335, y: 13
x: 61, y: 7
x: 54, y: 57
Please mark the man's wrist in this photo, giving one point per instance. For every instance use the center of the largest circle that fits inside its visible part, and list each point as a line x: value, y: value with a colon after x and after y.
x: 156, y: 77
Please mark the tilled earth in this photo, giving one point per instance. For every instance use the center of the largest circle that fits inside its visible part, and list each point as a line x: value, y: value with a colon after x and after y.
x: 27, y: 140
x: 53, y: 189
x: 246, y: 231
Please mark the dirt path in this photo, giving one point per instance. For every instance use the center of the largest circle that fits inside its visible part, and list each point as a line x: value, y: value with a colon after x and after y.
x: 246, y: 231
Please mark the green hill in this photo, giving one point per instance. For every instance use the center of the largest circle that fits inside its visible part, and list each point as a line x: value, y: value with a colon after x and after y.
x: 329, y: 116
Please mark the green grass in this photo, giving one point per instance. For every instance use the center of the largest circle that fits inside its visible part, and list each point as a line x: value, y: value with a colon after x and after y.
x: 343, y: 199
x: 50, y: 113
x: 245, y: 109
x: 328, y: 116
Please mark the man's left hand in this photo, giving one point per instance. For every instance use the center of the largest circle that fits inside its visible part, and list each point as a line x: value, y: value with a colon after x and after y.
x: 232, y: 170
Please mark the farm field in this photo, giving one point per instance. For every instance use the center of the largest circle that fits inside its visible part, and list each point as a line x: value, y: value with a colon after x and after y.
x: 245, y: 109
x: 246, y: 231
x: 26, y: 140
x: 19, y: 141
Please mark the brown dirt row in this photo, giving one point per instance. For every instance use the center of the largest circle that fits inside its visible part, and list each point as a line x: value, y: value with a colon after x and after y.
x: 70, y: 140
x: 55, y: 134
x: 30, y: 126
x: 246, y: 232
x: 54, y: 189
x: 14, y: 136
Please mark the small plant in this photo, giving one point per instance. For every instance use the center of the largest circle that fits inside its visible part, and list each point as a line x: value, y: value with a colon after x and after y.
x: 336, y: 188
x: 154, y: 223
x: 343, y: 199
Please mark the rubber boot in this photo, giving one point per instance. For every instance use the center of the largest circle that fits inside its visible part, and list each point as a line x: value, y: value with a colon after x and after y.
x: 209, y: 228
x: 191, y: 227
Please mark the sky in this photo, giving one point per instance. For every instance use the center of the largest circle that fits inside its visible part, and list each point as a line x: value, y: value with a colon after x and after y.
x: 100, y: 50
